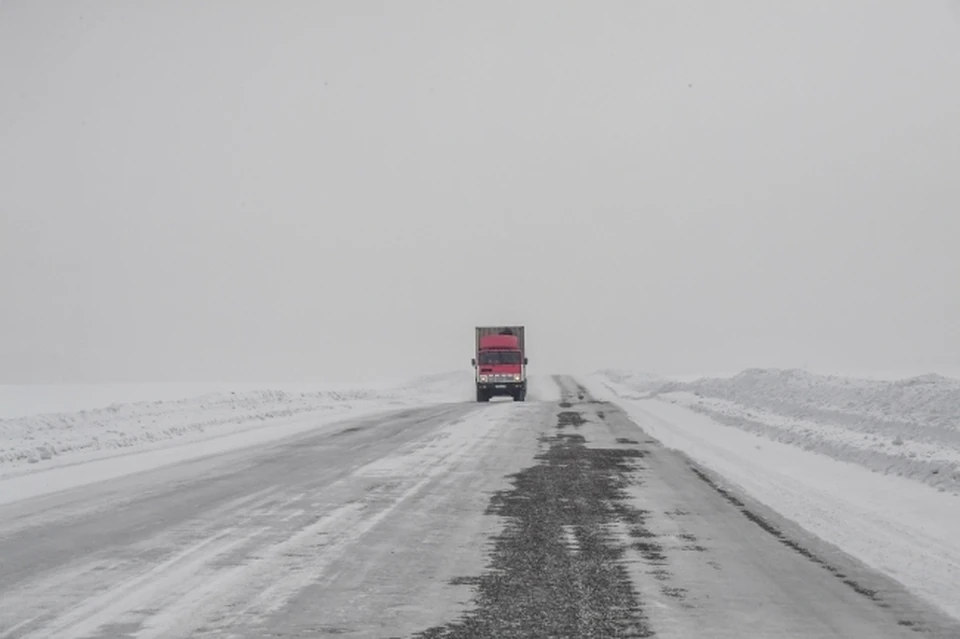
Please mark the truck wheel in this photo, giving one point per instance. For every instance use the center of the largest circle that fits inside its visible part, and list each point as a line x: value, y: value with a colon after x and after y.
x: 521, y: 396
x: 481, y: 396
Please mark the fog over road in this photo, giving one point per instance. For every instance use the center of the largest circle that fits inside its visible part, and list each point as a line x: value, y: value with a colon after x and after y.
x: 541, y: 518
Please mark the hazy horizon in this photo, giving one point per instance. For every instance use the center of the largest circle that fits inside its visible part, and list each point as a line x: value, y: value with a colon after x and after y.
x: 244, y: 191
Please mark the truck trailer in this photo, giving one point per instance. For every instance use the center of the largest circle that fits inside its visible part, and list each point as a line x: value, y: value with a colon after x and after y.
x: 500, y: 362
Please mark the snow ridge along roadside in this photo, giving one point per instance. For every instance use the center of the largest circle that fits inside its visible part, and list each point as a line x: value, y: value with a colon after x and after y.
x: 39, y: 438
x: 49, y: 440
x: 908, y: 427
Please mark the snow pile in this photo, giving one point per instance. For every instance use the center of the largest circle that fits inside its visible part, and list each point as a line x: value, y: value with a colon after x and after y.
x: 41, y: 441
x: 542, y: 388
x: 931, y: 400
x: 452, y: 386
x: 24, y: 400
x: 908, y: 427
x: 39, y: 438
x: 638, y: 384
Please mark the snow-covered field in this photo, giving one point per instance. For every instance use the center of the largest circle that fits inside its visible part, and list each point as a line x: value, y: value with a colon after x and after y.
x: 907, y: 427
x: 867, y: 465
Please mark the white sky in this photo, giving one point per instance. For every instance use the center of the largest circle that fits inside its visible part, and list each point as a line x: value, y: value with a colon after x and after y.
x: 342, y: 190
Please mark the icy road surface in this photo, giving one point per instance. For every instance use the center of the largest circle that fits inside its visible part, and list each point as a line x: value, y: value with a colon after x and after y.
x: 552, y: 518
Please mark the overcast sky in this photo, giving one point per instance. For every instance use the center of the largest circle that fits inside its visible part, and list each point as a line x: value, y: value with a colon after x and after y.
x: 342, y: 190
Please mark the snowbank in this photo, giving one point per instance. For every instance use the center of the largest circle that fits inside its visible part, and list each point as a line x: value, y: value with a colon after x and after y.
x: 632, y: 383
x: 50, y: 440
x: 928, y: 400
x: 908, y: 427
x: 81, y: 468
x: 542, y: 388
x: 41, y: 438
x: 24, y: 400
x: 454, y: 386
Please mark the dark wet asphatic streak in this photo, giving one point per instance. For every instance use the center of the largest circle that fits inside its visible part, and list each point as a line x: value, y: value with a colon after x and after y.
x: 556, y: 570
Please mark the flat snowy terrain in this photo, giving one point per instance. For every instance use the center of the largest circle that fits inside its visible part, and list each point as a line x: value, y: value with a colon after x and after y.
x: 411, y: 510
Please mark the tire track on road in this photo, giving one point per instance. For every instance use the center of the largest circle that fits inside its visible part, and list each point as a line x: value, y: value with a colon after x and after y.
x: 557, y: 569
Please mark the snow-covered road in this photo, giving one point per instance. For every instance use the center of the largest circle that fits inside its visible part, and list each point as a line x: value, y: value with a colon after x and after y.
x: 246, y: 541
x: 546, y: 518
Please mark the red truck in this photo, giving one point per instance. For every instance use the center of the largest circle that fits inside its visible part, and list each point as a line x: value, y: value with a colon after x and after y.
x: 500, y: 364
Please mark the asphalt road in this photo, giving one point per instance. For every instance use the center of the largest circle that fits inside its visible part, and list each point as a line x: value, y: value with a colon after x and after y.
x: 536, y: 519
